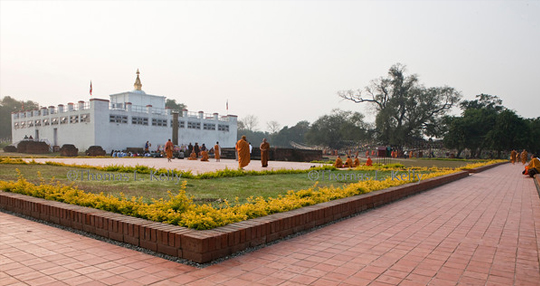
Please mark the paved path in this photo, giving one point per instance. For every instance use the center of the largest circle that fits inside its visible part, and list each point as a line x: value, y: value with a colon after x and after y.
x: 195, y: 166
x: 482, y: 230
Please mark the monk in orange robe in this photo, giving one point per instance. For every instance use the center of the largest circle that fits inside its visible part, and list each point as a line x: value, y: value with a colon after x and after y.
x: 338, y: 163
x: 242, y: 146
x: 524, y: 156
x: 513, y: 157
x: 369, y: 162
x: 356, y: 162
x: 217, y: 151
x: 348, y: 162
x: 265, y: 152
x: 534, y: 166
x: 204, y: 156
x: 169, y: 150
x: 192, y: 156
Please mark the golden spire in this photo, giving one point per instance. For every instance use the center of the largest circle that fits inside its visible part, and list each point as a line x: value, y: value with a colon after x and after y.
x: 138, y: 84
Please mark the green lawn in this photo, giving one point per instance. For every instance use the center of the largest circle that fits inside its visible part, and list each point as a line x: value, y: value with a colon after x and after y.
x: 203, y: 190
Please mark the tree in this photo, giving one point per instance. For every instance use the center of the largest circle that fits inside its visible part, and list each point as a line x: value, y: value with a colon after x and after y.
x: 293, y: 134
x: 405, y: 108
x: 534, y: 133
x: 470, y: 130
x: 509, y: 131
x: 7, y: 106
x: 337, y: 130
x: 273, y: 127
x: 249, y: 122
x: 173, y: 105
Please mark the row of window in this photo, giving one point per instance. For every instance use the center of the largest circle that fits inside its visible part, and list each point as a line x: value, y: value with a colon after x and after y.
x: 53, y: 121
x: 163, y: 123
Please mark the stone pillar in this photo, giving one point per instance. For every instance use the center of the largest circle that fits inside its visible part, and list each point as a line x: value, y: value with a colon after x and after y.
x: 51, y: 110
x: 81, y: 105
x: 184, y: 112
x: 175, y: 128
x: 70, y: 106
x: 201, y: 114
x: 149, y: 108
x: 44, y: 111
x: 60, y: 108
x: 128, y: 106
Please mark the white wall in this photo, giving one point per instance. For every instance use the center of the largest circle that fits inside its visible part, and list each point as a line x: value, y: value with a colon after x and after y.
x: 118, y: 136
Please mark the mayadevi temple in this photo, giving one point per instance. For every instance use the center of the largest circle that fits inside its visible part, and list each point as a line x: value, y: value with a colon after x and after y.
x: 126, y: 120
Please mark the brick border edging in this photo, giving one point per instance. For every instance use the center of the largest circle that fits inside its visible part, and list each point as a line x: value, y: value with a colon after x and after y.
x: 204, y: 246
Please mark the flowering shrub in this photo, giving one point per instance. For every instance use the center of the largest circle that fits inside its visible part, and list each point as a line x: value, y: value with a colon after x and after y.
x: 180, y: 210
x: 480, y: 164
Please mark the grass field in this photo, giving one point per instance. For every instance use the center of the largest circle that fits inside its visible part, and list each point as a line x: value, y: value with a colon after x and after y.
x: 202, y: 190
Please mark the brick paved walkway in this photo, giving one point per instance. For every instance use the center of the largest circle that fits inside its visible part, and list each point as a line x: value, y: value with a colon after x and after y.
x: 482, y: 230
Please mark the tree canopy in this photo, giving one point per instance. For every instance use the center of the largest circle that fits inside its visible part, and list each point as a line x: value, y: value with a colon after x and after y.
x: 7, y: 106
x: 338, y: 129
x: 485, y: 124
x: 405, y: 108
x: 172, y: 104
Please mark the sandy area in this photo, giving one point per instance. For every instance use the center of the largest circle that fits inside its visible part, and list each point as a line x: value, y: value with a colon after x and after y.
x: 195, y: 167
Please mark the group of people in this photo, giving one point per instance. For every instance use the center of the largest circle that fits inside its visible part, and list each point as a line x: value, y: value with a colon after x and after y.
x: 532, y: 168
x: 349, y: 163
x: 194, y: 151
x: 515, y: 157
x: 243, y: 150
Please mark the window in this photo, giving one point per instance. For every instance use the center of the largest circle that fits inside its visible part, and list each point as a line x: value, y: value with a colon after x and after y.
x: 54, y: 121
x: 30, y: 123
x: 159, y: 122
x: 85, y: 117
x: 223, y: 127
x: 63, y: 120
x: 46, y: 121
x: 23, y: 124
x: 139, y: 120
x: 117, y: 118
x: 209, y: 126
x: 74, y: 119
x: 16, y: 125
x: 181, y: 124
x: 193, y: 125
x: 37, y: 122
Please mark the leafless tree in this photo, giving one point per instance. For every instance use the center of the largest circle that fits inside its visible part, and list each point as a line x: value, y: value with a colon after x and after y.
x: 273, y: 127
x: 249, y: 122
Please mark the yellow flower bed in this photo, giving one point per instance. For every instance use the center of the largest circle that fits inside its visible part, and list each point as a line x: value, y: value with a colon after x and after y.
x: 180, y: 209
x: 481, y: 164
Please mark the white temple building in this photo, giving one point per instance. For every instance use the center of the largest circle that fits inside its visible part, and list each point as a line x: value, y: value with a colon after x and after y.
x: 127, y: 119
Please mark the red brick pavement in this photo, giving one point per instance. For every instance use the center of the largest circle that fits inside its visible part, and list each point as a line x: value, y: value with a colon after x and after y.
x: 482, y: 230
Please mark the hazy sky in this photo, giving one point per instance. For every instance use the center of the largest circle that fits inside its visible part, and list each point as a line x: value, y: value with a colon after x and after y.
x: 278, y: 60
